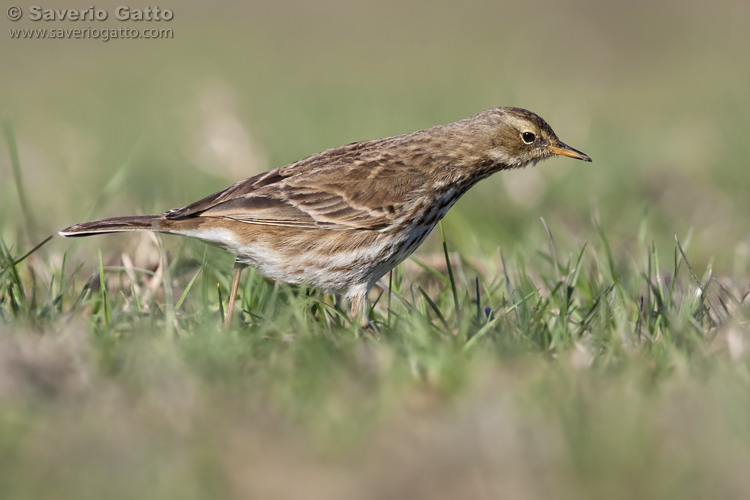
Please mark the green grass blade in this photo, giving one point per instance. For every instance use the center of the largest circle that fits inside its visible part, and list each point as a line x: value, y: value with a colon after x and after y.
x: 187, y: 289
x: 11, y: 269
x: 103, y: 290
x: 486, y: 328
x: 450, y: 273
x: 552, y: 251
x: 62, y: 283
x: 434, y: 272
x: 435, y: 308
x: 607, y: 250
x: 37, y: 247
x: 28, y: 215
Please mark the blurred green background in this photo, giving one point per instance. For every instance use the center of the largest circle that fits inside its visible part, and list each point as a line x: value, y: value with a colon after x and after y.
x: 655, y: 92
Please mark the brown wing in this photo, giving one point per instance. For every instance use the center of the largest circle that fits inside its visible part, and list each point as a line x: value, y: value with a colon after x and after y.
x: 235, y: 190
x: 358, y: 186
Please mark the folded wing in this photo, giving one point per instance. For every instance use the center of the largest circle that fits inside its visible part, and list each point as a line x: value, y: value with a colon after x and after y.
x: 338, y: 189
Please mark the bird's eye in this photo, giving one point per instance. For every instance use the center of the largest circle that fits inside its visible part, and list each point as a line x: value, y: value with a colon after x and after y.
x: 528, y: 137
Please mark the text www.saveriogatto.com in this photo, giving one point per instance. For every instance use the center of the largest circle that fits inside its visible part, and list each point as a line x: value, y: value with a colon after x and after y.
x: 91, y: 14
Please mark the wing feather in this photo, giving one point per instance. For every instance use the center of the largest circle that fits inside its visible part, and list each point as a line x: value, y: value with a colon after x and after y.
x: 343, y: 188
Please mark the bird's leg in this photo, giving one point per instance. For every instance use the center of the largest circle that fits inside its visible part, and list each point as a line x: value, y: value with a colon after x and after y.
x: 238, y: 267
x: 360, y: 309
x: 339, y: 300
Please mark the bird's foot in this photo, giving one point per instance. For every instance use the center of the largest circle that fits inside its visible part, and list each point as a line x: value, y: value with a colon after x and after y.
x: 366, y: 325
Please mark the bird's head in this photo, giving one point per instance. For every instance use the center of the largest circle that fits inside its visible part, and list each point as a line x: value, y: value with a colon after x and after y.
x: 516, y: 137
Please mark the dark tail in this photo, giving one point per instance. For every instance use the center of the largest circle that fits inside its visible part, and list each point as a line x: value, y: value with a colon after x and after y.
x: 114, y: 225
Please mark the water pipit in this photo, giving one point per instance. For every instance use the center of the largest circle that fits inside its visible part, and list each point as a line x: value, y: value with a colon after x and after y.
x: 341, y: 219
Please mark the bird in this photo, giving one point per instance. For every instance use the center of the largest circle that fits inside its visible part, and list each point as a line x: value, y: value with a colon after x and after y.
x: 341, y: 219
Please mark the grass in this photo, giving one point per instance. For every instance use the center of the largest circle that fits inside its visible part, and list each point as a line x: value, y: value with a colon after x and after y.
x: 573, y: 372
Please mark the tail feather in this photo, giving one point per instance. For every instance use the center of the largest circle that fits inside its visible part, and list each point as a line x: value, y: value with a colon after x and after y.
x: 114, y: 225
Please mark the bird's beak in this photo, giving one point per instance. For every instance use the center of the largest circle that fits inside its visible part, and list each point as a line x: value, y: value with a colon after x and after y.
x: 565, y: 150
